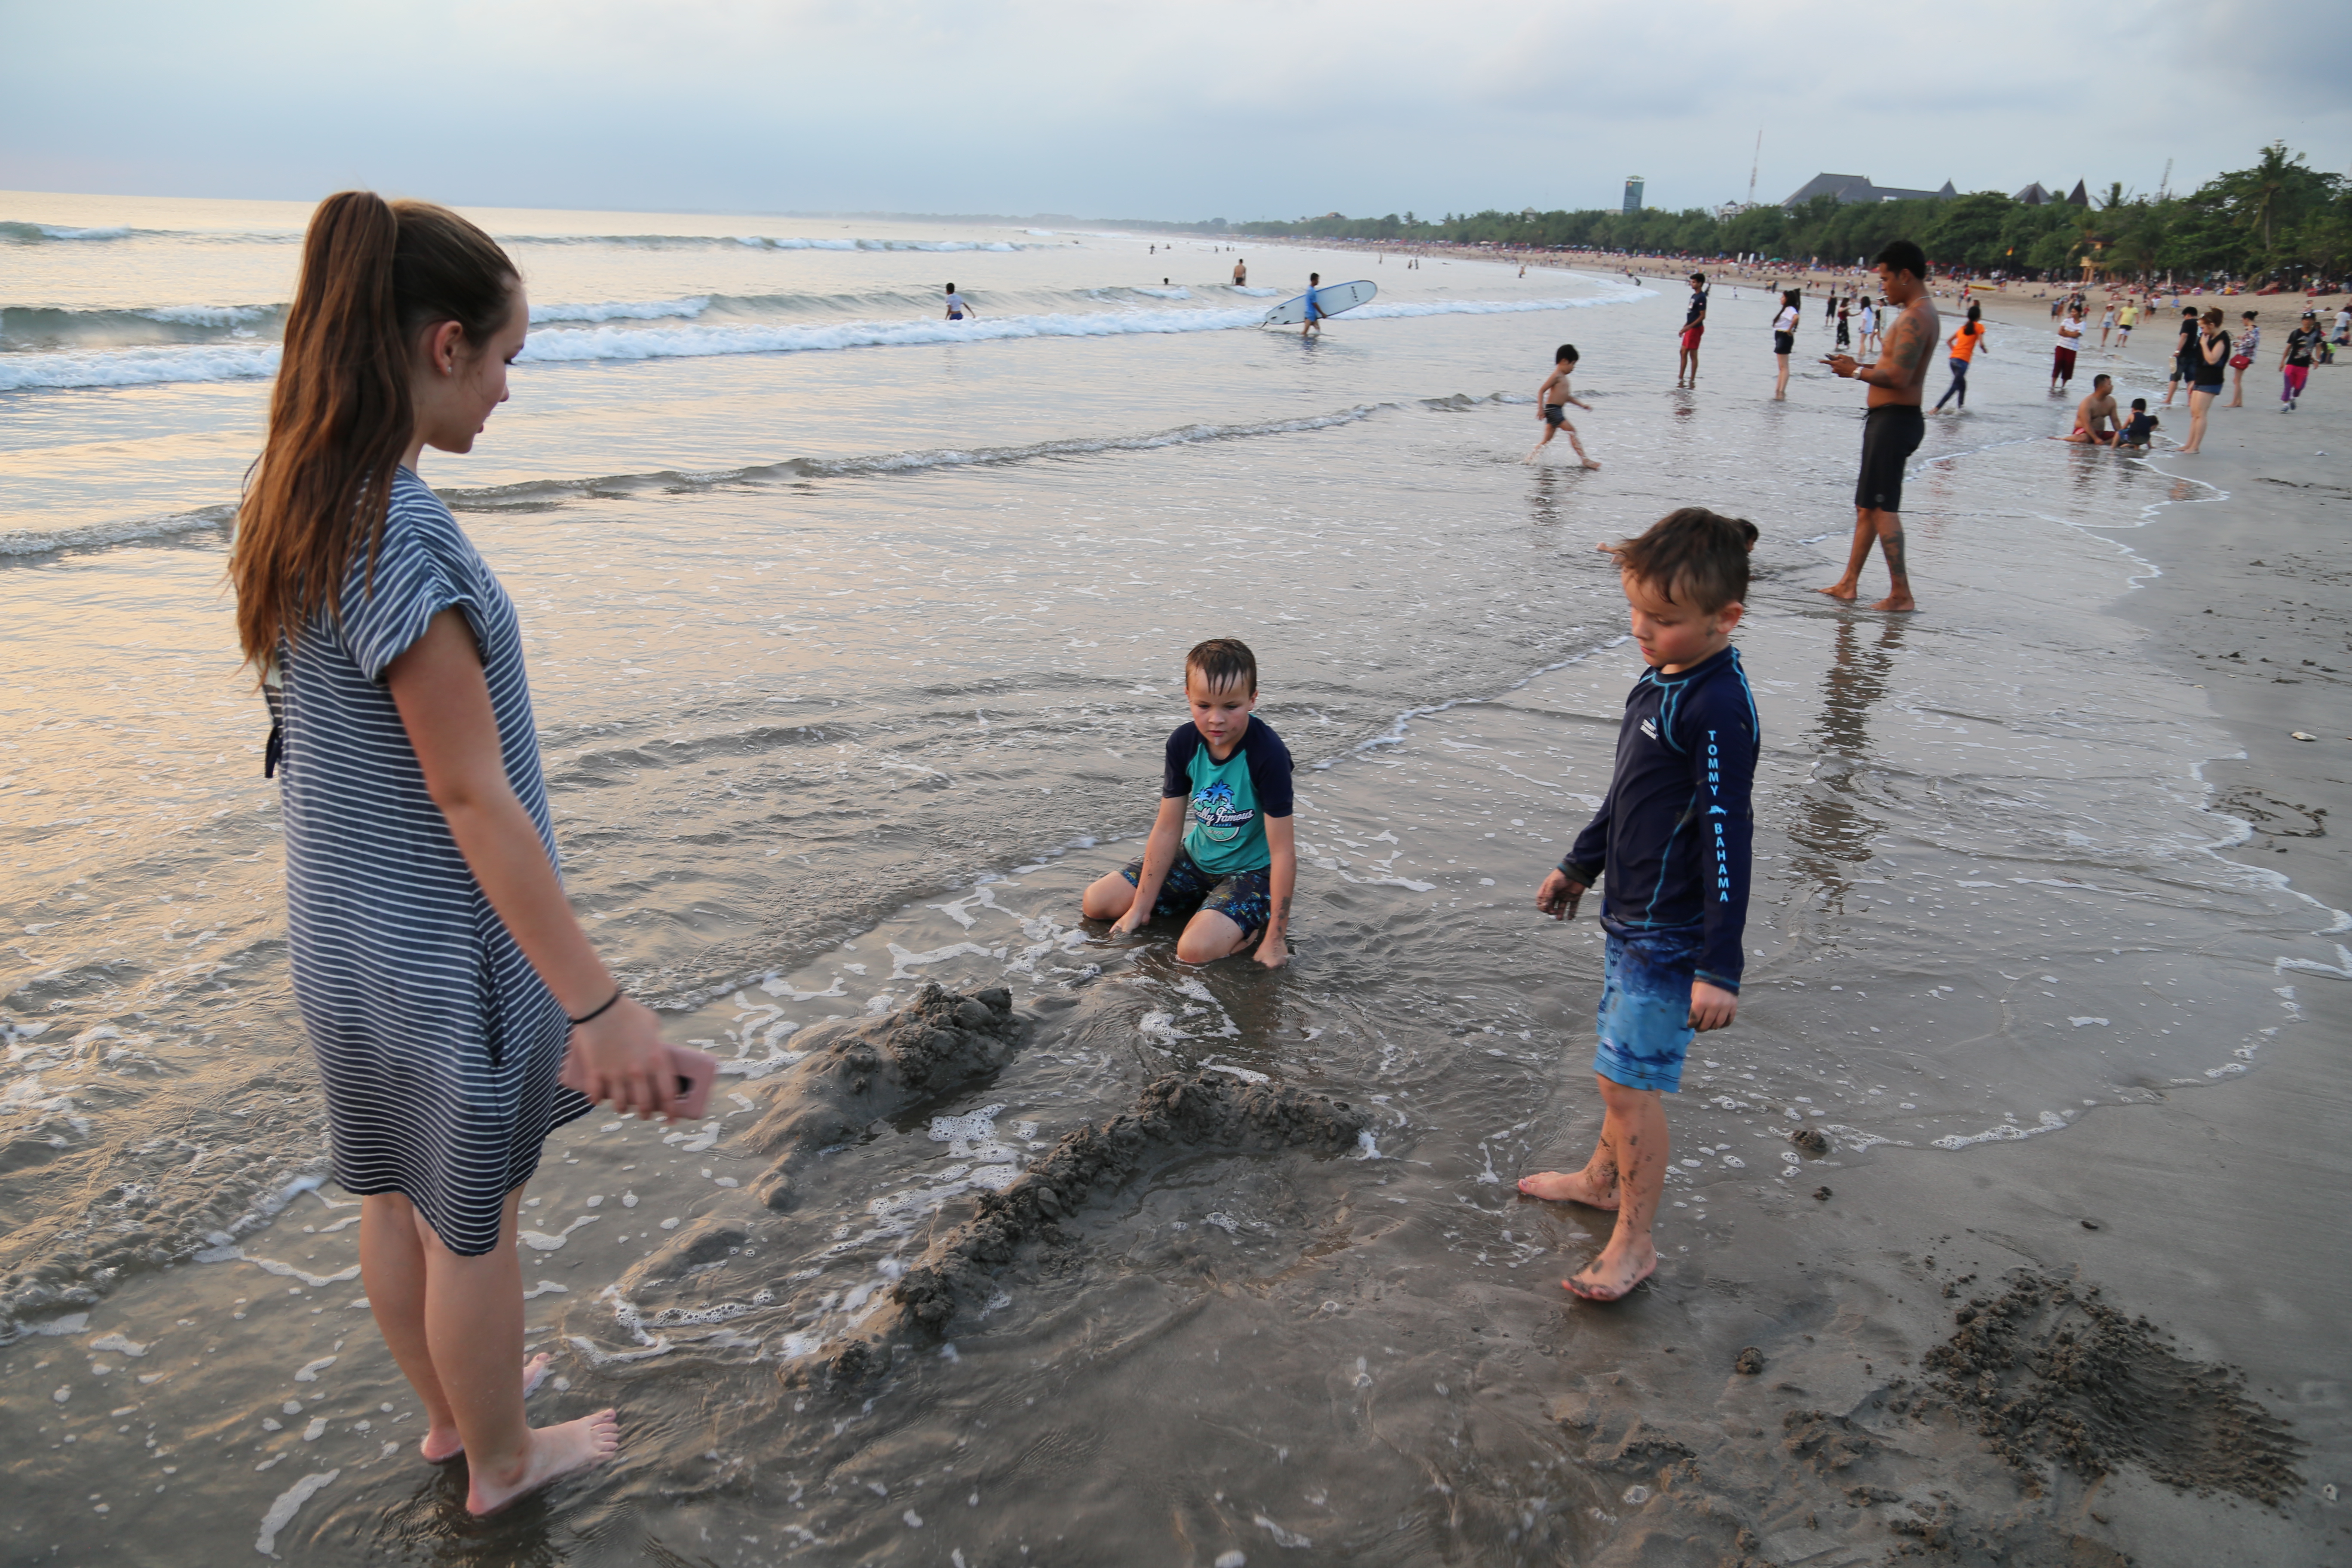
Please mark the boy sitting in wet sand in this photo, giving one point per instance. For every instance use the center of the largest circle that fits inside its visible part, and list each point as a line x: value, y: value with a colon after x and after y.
x: 1672, y: 837
x: 1232, y: 873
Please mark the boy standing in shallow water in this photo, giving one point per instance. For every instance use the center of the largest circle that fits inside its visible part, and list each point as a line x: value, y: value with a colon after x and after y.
x: 1235, y: 871
x: 1673, y: 839
x: 1552, y: 397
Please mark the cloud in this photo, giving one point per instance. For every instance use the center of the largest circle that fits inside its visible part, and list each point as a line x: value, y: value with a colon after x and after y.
x: 1209, y: 108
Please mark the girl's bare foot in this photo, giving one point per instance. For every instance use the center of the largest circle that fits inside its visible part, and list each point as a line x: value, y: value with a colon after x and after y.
x: 1612, y: 1275
x: 442, y: 1444
x: 1570, y: 1187
x: 554, y: 1452
x: 1591, y: 464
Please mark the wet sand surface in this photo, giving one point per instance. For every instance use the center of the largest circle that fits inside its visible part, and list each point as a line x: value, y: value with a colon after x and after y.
x: 1006, y: 1244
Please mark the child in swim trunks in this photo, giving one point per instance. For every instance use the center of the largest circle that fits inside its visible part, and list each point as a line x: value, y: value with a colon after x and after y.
x: 1672, y: 837
x: 1232, y: 874
x: 1553, y: 396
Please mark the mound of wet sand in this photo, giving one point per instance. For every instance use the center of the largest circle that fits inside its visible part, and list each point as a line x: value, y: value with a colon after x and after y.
x: 1999, y: 1458
x: 962, y: 1268
x: 858, y: 1072
x: 2048, y: 1370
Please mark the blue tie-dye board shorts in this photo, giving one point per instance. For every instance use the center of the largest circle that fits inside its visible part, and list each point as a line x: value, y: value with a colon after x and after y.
x: 1645, y: 1001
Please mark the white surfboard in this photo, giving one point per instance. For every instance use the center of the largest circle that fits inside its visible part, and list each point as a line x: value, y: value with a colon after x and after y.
x: 1329, y: 300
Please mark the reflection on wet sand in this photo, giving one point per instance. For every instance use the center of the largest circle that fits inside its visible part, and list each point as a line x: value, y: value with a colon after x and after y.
x: 1543, y: 500
x: 1832, y: 832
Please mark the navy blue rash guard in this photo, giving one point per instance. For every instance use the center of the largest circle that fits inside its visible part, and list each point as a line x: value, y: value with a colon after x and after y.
x: 1673, y: 835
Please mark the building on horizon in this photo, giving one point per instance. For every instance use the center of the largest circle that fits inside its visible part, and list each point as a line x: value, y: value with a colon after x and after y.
x: 2038, y: 194
x: 1852, y: 189
x: 1632, y: 192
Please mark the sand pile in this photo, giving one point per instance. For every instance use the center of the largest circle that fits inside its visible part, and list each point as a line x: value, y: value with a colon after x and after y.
x: 1203, y: 1109
x: 2048, y: 1370
x: 859, y: 1071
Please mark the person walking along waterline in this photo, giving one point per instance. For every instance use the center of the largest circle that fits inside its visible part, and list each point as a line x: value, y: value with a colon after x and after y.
x: 1784, y: 339
x: 2250, y: 339
x: 1892, y: 429
x: 1963, y: 344
x: 2294, y: 360
x: 1552, y: 399
x: 439, y: 969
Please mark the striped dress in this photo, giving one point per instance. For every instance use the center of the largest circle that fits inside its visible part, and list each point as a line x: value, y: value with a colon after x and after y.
x: 437, y: 1041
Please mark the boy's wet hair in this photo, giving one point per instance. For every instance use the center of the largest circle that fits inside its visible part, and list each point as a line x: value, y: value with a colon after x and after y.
x: 2139, y: 404
x: 1221, y: 662
x: 1565, y: 352
x: 1692, y: 556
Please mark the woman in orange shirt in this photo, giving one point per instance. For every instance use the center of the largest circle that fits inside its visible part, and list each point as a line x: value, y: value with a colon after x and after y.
x: 1964, y: 345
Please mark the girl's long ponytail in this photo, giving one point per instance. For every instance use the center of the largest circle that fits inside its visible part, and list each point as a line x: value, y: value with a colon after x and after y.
x: 375, y: 274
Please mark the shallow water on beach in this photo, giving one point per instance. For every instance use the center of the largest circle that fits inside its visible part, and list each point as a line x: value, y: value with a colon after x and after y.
x: 853, y: 659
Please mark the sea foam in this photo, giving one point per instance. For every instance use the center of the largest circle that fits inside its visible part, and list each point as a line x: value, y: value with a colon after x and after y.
x: 600, y: 340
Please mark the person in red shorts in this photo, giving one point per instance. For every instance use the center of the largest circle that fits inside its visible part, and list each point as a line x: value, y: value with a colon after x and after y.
x: 2061, y: 360
x: 1694, y: 328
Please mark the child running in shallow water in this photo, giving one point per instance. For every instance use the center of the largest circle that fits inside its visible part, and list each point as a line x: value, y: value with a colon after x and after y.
x: 1232, y: 874
x: 1553, y: 397
x: 1672, y: 837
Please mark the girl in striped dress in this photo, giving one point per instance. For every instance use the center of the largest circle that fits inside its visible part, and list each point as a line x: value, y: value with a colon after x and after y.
x: 439, y: 970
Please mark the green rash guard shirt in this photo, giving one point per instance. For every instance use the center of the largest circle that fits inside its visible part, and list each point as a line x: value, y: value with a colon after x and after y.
x: 1231, y: 800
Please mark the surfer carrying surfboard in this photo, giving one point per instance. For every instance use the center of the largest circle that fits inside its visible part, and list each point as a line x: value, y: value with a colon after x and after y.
x: 1551, y: 399
x: 1314, y: 311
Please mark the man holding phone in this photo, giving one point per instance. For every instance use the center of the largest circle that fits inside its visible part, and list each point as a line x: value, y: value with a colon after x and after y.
x: 1893, y: 428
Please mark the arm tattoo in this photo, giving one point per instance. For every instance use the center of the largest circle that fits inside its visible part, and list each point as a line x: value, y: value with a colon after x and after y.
x: 1909, y: 346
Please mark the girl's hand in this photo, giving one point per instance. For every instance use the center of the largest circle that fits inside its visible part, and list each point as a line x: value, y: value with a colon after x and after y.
x: 628, y: 1064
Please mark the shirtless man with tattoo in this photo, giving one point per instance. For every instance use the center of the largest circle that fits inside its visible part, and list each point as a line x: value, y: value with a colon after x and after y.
x: 1892, y: 429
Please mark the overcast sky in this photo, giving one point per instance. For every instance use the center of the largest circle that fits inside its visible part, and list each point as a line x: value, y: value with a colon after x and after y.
x: 1203, y: 109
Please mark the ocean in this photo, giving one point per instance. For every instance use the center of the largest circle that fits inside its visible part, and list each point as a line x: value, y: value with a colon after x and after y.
x: 854, y: 637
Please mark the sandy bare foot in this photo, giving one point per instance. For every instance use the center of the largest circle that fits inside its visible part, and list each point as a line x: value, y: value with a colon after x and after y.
x: 1604, y: 1279
x: 1591, y: 464
x: 1897, y: 602
x: 1844, y: 592
x: 442, y: 1444
x: 1570, y: 1187
x: 555, y: 1452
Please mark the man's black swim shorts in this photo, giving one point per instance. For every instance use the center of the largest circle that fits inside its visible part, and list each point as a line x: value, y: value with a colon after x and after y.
x: 1889, y: 436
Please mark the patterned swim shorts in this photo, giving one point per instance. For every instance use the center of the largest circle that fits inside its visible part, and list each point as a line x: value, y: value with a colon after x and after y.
x: 1245, y: 898
x: 1645, y: 1001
